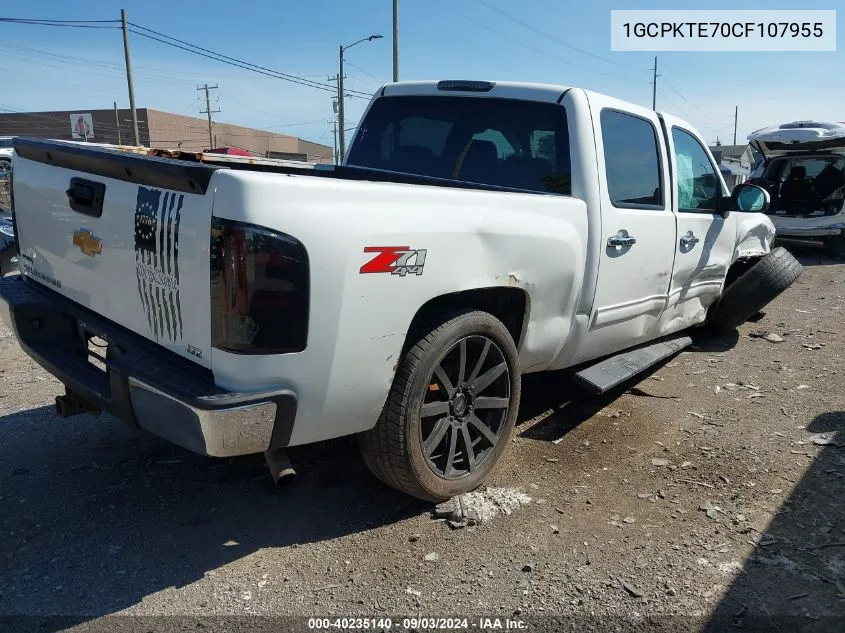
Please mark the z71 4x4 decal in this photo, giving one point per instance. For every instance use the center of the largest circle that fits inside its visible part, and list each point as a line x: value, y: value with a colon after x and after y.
x: 396, y: 260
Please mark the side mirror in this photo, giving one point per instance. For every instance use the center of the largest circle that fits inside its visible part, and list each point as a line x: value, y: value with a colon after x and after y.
x: 750, y: 198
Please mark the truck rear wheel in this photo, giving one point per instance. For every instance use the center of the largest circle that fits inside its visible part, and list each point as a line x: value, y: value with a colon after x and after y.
x: 754, y: 289
x: 451, y: 409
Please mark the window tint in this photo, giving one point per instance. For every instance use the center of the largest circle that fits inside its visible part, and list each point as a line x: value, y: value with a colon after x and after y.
x: 503, y: 148
x: 698, y: 183
x: 543, y: 144
x: 815, y: 166
x: 501, y: 142
x: 631, y: 160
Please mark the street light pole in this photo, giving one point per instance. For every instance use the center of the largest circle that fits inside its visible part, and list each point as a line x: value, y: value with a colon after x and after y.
x: 340, y: 103
x: 340, y: 97
x: 395, y: 41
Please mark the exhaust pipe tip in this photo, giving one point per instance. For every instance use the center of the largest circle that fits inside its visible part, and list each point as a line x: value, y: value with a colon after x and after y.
x: 281, y: 470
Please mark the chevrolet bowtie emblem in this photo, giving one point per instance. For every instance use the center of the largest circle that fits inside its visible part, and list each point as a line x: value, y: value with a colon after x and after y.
x: 87, y: 243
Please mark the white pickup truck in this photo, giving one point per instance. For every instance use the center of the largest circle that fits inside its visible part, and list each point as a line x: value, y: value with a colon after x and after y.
x: 476, y: 231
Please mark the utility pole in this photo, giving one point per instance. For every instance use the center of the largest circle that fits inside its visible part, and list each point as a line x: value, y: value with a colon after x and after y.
x: 117, y: 122
x: 335, y: 142
x: 334, y: 127
x: 654, y: 86
x: 337, y: 115
x: 129, y: 76
x: 209, y: 111
x: 340, y: 138
x: 736, y: 118
x: 395, y: 40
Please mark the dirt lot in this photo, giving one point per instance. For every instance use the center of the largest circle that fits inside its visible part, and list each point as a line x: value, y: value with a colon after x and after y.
x: 710, y: 492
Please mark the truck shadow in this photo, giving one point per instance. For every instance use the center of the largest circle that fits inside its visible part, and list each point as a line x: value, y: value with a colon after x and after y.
x: 96, y: 518
x: 563, y: 405
x: 795, y: 579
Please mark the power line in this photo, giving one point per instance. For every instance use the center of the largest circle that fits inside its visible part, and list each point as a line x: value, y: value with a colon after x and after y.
x: 56, y: 21
x: 187, y: 46
x: 545, y: 53
x: 205, y: 52
x: 695, y: 105
x: 381, y: 82
x: 60, y: 23
x: 555, y: 39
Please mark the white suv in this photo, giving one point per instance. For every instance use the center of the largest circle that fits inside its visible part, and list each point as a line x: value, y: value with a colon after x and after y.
x: 804, y: 172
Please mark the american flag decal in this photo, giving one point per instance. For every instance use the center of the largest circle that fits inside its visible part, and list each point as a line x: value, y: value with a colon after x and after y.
x: 157, y: 217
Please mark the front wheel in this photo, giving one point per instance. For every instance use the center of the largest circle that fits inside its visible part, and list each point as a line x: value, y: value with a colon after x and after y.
x: 450, y: 411
x: 754, y: 289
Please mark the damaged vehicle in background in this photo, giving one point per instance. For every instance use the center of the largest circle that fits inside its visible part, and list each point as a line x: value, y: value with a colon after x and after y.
x: 803, y: 169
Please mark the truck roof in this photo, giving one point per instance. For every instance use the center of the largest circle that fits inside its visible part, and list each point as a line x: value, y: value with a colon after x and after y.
x: 528, y: 91
x: 503, y: 89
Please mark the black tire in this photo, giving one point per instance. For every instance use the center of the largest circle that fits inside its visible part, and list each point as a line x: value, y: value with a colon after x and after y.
x: 754, y: 289
x: 394, y: 449
x: 835, y: 245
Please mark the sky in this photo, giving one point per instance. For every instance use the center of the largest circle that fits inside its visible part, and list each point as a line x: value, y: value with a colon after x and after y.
x: 552, y: 41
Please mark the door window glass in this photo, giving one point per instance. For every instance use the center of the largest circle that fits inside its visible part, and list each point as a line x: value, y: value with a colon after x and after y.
x: 699, y: 187
x: 631, y: 160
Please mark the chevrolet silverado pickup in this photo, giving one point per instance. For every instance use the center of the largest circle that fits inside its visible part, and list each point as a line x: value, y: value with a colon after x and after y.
x: 475, y: 231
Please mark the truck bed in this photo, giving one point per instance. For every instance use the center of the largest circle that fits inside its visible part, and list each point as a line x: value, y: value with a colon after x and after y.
x: 131, y: 163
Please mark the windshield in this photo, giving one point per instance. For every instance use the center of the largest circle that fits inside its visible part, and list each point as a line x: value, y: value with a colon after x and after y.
x: 6, y: 142
x: 501, y: 142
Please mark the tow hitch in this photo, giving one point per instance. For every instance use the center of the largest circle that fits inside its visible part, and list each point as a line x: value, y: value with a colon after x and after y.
x: 73, y: 404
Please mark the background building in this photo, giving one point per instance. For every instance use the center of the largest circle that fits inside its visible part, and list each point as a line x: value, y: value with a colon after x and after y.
x: 159, y: 129
x: 735, y: 162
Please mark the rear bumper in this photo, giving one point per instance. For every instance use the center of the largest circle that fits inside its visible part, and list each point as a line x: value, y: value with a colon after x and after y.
x: 143, y: 385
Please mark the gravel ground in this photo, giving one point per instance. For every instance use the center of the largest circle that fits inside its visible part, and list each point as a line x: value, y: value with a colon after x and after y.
x: 710, y: 492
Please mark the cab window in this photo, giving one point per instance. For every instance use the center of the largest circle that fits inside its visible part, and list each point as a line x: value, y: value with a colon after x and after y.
x: 631, y: 161
x: 509, y: 143
x: 699, y: 186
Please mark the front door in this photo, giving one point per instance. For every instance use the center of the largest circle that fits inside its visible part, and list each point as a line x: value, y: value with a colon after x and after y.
x: 704, y: 247
x: 638, y: 228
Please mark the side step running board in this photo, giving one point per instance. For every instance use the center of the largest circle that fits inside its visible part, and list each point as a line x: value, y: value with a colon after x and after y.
x: 613, y: 371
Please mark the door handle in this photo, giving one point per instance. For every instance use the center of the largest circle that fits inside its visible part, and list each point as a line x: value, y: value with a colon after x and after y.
x: 621, y: 239
x: 689, y: 240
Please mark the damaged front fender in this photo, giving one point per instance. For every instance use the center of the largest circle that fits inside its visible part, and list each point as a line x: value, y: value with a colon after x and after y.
x: 754, y: 235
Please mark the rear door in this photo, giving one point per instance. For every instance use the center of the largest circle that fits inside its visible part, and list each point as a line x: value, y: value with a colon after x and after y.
x: 706, y: 239
x: 124, y: 235
x: 637, y: 224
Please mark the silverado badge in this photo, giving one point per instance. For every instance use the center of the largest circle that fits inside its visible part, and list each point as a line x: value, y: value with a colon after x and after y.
x: 87, y: 242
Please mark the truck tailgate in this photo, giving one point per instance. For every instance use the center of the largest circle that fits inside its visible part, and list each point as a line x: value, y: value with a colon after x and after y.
x: 121, y: 234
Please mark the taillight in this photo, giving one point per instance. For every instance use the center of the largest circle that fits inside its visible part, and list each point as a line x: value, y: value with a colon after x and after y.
x: 259, y: 290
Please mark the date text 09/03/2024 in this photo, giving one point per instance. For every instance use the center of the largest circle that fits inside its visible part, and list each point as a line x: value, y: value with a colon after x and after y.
x: 416, y: 624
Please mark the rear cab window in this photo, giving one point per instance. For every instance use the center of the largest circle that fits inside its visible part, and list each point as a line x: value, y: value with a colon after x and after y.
x: 631, y: 160
x: 501, y: 142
